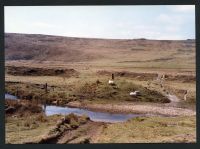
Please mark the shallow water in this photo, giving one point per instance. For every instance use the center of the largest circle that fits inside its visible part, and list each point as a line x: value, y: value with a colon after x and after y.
x: 8, y: 96
x: 94, y: 116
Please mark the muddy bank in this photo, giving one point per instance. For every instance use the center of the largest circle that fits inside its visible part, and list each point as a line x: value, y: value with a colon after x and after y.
x: 139, y: 76
x: 38, y: 93
x: 32, y: 71
x: 182, y: 78
x: 137, y: 108
x: 149, y: 76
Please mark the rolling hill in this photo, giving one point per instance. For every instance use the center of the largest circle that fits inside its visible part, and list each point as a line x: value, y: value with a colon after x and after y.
x: 122, y: 51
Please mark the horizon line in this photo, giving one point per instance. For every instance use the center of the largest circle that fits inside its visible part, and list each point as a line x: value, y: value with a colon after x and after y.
x: 102, y: 38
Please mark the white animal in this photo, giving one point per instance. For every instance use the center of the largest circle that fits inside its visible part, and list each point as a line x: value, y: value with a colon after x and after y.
x: 110, y: 82
x: 135, y: 93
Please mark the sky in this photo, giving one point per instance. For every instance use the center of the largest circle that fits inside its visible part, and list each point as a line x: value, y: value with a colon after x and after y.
x: 173, y: 22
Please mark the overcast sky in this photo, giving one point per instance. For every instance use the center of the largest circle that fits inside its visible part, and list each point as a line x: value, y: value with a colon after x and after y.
x: 118, y: 22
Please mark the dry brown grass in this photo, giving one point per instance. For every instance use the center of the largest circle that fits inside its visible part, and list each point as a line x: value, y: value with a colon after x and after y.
x: 151, y: 130
x: 152, y: 53
x: 88, y: 56
x: 27, y: 129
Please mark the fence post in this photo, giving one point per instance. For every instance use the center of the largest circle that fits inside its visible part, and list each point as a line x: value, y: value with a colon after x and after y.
x: 45, y: 88
x: 113, y: 76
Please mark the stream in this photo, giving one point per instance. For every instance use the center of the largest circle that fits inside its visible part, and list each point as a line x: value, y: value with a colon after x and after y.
x: 8, y: 96
x: 93, y: 115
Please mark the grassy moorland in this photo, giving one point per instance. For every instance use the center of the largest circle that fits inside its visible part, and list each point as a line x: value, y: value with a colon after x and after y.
x: 151, y: 130
x: 77, y: 71
x: 93, y: 85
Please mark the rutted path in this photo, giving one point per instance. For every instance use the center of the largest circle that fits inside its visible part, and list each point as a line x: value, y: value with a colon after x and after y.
x: 86, y: 133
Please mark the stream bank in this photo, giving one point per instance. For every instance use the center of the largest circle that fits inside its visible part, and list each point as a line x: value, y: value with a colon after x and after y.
x: 139, y: 108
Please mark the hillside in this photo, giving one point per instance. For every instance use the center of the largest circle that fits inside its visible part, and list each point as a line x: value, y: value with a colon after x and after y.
x: 69, y: 49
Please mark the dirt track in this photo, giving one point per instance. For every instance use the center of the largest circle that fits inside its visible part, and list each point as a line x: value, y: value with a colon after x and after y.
x: 86, y: 133
x: 83, y: 134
